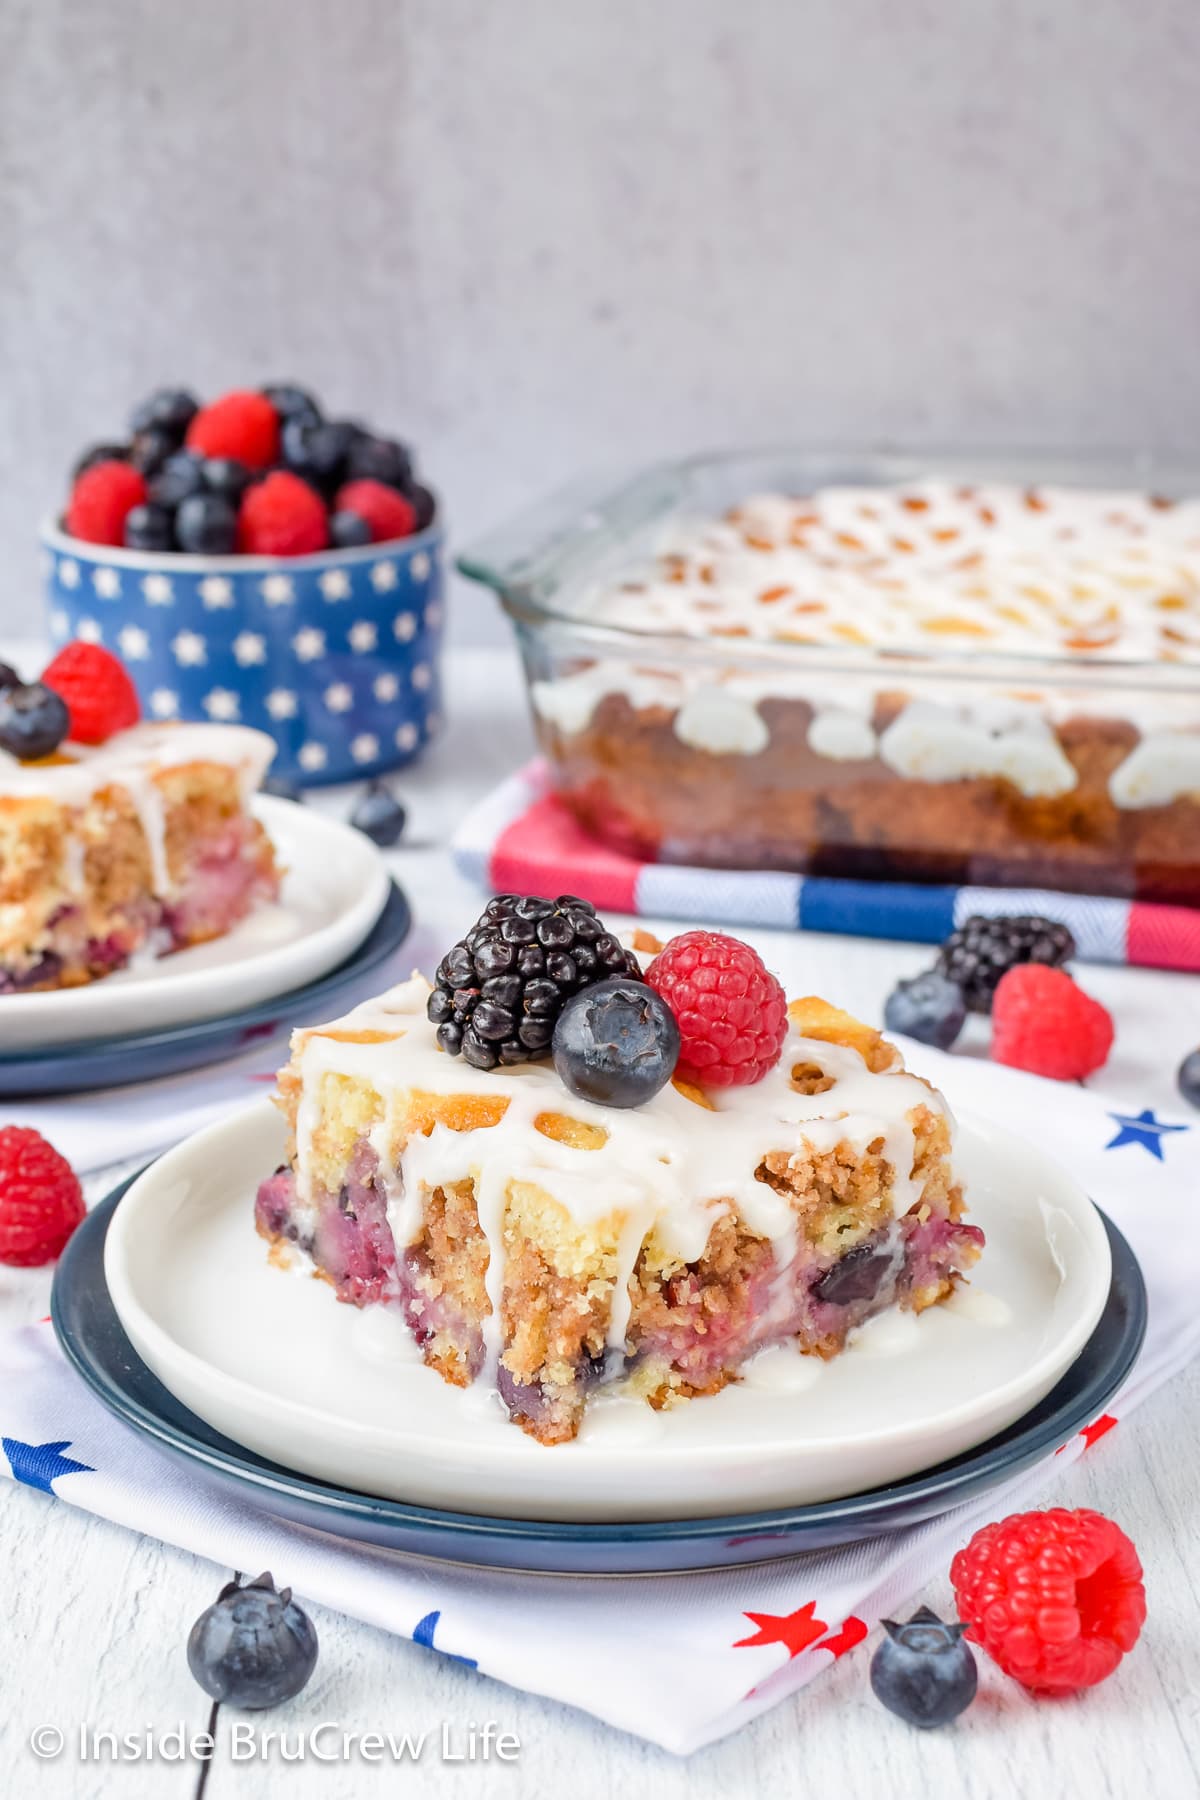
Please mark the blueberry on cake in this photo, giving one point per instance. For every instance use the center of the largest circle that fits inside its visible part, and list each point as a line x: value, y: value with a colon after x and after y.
x: 689, y: 1171
x: 141, y: 841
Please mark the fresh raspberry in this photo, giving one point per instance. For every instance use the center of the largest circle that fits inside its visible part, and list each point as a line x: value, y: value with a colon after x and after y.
x: 100, y: 697
x: 282, y: 516
x: 242, y: 424
x: 388, y: 513
x: 1056, y: 1598
x: 732, y: 1013
x: 41, y: 1201
x: 100, y: 500
x: 1043, y: 1022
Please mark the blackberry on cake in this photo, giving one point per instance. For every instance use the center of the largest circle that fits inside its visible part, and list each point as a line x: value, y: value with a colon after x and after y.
x: 499, y: 991
x: 983, y: 949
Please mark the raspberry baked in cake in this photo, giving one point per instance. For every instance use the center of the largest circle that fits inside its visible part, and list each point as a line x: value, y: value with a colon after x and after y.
x: 940, y: 681
x: 142, y: 843
x: 585, y: 1177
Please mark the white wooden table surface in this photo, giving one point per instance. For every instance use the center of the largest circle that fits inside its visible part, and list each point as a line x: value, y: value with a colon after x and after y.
x: 96, y: 1617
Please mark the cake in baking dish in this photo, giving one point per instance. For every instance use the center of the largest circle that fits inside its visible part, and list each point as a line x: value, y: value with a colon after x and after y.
x: 142, y: 844
x: 549, y: 1245
x: 936, y: 681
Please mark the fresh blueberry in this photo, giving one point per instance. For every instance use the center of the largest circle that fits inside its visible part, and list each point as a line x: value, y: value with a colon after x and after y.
x: 616, y: 1042
x: 182, y: 474
x: 98, y: 453
x: 348, y: 530
x: 283, y: 789
x: 922, y: 1671
x: 380, y: 816
x: 424, y: 505
x: 167, y: 409
x: 319, y: 452
x: 253, y: 1647
x: 379, y: 459
x: 206, y: 525
x: 225, y: 475
x: 1188, y: 1078
x: 929, y: 1008
x: 148, y: 527
x: 151, y: 449
x: 292, y: 402
x: 8, y: 676
x: 33, y: 720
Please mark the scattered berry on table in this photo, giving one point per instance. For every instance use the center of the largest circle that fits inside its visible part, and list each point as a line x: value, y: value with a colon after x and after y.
x: 379, y: 815
x: 929, y: 1008
x: 167, y: 409
x: 283, y: 789
x: 389, y: 514
x: 96, y: 689
x: 379, y: 459
x: 225, y: 475
x: 101, y: 499
x: 181, y: 475
x: 152, y: 449
x: 282, y: 516
x: 1187, y: 1077
x: 1043, y: 1022
x: 616, y: 1043
x: 500, y: 990
x: 242, y: 424
x: 731, y: 1011
x: 347, y: 530
x: 207, y: 525
x: 292, y: 402
x: 983, y: 949
x: 98, y: 453
x: 149, y: 527
x: 922, y: 1671
x: 1055, y: 1598
x: 253, y: 1647
x: 41, y: 1201
x: 33, y: 721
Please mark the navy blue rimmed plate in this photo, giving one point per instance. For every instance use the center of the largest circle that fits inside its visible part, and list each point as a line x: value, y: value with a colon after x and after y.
x: 95, y: 1343
x: 141, y: 1056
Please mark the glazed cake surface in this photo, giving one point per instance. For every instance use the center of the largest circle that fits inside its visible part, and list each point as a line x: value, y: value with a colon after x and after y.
x: 141, y: 845
x: 546, y: 1245
x: 968, y: 758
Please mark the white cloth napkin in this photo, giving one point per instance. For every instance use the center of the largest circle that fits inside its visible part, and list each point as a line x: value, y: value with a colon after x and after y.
x: 680, y: 1659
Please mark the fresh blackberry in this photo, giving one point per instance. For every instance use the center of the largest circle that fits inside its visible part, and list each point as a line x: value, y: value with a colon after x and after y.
x: 982, y: 950
x: 499, y: 992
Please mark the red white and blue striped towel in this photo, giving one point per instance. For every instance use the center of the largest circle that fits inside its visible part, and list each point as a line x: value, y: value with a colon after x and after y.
x: 521, y: 839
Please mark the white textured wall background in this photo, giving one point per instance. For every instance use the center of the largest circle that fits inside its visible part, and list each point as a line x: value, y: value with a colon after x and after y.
x: 540, y: 236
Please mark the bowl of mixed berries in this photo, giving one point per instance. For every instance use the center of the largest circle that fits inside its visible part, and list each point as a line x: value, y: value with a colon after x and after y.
x: 255, y: 560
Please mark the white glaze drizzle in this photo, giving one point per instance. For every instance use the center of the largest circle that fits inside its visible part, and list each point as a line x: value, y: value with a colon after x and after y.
x: 669, y: 1167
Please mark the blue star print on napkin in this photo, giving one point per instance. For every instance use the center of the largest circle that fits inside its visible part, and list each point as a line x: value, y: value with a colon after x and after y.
x: 1141, y: 1128
x: 40, y: 1465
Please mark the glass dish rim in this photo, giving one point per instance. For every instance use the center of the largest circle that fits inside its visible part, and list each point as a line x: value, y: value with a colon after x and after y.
x: 568, y: 521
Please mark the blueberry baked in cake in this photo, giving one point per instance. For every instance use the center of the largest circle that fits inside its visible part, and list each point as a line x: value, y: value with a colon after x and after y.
x: 118, y: 838
x: 566, y: 1170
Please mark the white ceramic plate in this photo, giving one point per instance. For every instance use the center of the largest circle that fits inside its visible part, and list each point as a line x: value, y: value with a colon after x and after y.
x: 334, y: 888
x: 269, y: 1357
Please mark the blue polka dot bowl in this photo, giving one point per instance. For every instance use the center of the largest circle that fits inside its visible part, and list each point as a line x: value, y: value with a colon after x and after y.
x: 335, y: 655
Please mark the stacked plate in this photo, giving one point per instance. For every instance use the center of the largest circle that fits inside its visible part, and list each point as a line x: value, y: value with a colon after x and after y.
x: 339, y: 916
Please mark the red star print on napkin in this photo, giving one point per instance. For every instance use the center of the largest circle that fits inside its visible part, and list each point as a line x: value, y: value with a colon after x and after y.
x: 797, y: 1630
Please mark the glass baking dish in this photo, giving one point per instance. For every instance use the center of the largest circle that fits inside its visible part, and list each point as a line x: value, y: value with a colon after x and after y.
x: 924, y: 758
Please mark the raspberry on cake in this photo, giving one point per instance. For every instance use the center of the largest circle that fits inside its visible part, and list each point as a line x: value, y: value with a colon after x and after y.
x: 547, y: 1244
x: 143, y: 843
